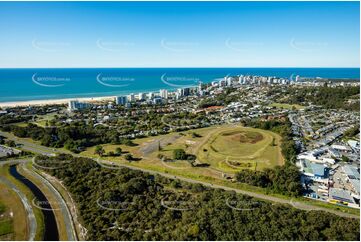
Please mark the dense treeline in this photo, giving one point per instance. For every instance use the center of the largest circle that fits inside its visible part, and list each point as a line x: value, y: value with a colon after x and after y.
x: 282, y: 179
x: 328, y: 97
x: 221, y: 99
x: 139, y: 213
x: 8, y: 119
x: 183, y: 119
x: 74, y: 137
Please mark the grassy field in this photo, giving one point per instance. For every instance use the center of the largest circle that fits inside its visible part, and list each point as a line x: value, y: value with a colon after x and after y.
x: 226, y: 149
x: 18, y: 209
x: 6, y: 229
x: 41, y: 120
x: 234, y: 148
x: 287, y: 106
x: 6, y: 220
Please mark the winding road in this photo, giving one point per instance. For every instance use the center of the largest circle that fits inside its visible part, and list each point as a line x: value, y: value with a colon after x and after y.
x: 300, y: 205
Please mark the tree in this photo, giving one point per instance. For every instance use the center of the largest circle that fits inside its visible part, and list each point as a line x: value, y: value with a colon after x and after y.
x: 99, y: 150
x: 118, y: 151
x: 10, y: 143
x: 179, y: 154
x: 196, y: 135
x: 143, y: 196
x: 128, y: 157
x: 345, y: 159
x: 193, y: 230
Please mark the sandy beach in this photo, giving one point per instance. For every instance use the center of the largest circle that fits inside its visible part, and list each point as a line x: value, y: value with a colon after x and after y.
x: 53, y: 101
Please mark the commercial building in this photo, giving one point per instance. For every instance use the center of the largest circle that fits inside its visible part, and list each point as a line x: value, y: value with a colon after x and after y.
x: 131, y: 98
x: 313, y: 170
x: 157, y: 100
x: 181, y: 92
x: 142, y: 96
x: 340, y: 196
x: 76, y: 105
x: 355, y: 184
x: 121, y: 100
x: 222, y: 83
x: 186, y: 91
x: 353, y: 177
x: 163, y: 93
x: 351, y: 172
x: 150, y: 96
x: 355, y: 145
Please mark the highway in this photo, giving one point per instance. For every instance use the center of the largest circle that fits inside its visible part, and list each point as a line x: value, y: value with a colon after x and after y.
x: 300, y: 205
x: 29, y: 146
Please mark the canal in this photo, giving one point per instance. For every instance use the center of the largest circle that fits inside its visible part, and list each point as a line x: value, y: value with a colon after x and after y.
x: 50, y: 228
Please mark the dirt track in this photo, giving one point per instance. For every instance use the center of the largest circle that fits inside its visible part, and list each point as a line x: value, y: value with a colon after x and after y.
x: 153, y: 145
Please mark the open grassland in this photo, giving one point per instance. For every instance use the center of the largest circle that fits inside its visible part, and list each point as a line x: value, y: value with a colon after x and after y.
x: 42, y: 120
x: 6, y: 220
x: 234, y: 148
x: 223, y: 149
x: 12, y: 214
x: 287, y: 106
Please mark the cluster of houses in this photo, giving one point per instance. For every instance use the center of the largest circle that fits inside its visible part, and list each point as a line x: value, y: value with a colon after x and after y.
x: 6, y: 151
x: 329, y: 163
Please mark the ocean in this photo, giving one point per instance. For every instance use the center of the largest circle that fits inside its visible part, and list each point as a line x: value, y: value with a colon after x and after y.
x: 59, y: 83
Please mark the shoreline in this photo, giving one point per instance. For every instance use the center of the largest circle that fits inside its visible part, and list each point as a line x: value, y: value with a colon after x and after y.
x: 53, y: 101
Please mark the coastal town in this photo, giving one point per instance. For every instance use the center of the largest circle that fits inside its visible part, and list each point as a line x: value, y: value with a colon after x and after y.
x: 180, y: 120
x: 327, y: 140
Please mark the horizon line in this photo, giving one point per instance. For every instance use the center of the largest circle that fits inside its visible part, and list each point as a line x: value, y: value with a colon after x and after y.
x: 209, y: 67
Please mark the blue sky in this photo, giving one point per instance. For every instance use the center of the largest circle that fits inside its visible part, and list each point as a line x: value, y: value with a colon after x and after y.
x: 179, y: 34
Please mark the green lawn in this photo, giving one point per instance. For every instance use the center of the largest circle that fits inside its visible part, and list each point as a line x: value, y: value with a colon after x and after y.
x: 5, y: 222
x: 234, y: 148
x: 228, y: 149
x: 287, y: 106
x: 6, y: 227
